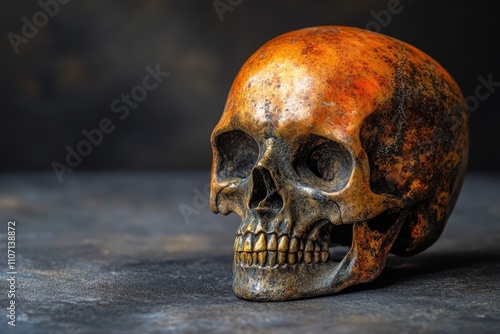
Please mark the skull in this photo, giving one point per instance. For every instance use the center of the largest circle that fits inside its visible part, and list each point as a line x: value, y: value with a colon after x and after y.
x: 335, y: 136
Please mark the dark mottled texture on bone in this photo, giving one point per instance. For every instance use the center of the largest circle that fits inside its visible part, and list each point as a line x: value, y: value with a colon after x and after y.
x: 330, y: 127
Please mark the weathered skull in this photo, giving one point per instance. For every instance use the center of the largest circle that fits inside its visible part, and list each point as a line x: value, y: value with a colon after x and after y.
x: 335, y: 136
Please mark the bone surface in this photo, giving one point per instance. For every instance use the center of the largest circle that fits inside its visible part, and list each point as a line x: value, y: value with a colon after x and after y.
x: 335, y: 136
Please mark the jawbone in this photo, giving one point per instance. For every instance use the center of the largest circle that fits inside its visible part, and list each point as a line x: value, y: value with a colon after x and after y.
x: 363, y: 263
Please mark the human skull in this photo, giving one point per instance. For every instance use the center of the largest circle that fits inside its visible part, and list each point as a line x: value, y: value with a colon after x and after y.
x: 335, y: 136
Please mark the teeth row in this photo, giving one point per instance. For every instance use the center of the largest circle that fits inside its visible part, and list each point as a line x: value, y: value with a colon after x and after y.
x: 270, y: 242
x: 270, y: 258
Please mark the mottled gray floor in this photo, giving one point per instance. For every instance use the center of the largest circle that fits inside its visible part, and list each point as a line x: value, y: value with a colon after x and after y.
x: 111, y: 253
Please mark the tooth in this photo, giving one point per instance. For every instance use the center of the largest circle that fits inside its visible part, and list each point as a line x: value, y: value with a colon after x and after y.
x: 272, y: 244
x: 248, y: 258
x: 254, y: 258
x: 324, y: 247
x: 262, y: 258
x: 271, y: 258
x: 300, y: 254
x: 294, y: 245
x: 308, y: 257
x: 239, y: 247
x: 325, y: 256
x: 236, y: 258
x: 317, y: 257
x: 281, y: 258
x: 301, y: 247
x: 260, y: 244
x: 317, y: 247
x: 292, y: 258
x: 247, y: 245
x: 241, y: 241
x: 235, y: 246
x: 283, y: 243
x: 309, y: 246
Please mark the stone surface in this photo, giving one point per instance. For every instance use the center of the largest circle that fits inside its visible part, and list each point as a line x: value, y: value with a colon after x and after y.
x: 112, y: 253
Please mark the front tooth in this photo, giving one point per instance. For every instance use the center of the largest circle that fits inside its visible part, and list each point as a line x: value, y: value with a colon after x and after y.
x: 309, y: 246
x: 292, y: 258
x: 283, y: 243
x: 294, y: 245
x: 325, y: 256
x: 308, y: 257
x: 239, y: 247
x: 248, y: 259
x: 271, y: 258
x: 247, y: 244
x: 281, y: 258
x: 260, y: 244
x: 300, y: 254
x: 262, y: 258
x: 272, y: 244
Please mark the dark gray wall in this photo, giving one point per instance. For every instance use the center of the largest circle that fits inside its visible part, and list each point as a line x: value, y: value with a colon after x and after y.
x: 66, y: 75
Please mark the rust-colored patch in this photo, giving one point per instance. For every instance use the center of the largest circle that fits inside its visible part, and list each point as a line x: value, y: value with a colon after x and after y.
x: 330, y: 127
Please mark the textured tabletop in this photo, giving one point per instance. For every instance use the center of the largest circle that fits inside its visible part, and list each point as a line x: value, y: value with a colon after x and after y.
x: 142, y: 253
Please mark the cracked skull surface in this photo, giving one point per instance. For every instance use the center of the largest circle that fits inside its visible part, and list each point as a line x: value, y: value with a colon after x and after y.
x: 335, y: 136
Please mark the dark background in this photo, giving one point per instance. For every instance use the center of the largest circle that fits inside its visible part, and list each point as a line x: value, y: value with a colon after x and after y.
x: 65, y: 78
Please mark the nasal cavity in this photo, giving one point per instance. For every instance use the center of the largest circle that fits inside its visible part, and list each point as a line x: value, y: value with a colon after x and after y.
x: 265, y: 196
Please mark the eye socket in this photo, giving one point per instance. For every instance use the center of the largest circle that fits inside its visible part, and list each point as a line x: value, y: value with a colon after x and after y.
x: 238, y: 153
x: 324, y: 163
x: 320, y: 161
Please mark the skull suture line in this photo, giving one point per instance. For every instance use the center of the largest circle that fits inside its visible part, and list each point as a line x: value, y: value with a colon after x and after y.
x: 335, y: 135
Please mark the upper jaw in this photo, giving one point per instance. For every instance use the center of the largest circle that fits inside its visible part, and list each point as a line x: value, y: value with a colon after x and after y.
x: 279, y: 248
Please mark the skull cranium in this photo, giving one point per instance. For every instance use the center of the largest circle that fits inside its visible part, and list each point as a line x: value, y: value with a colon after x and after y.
x: 335, y: 135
